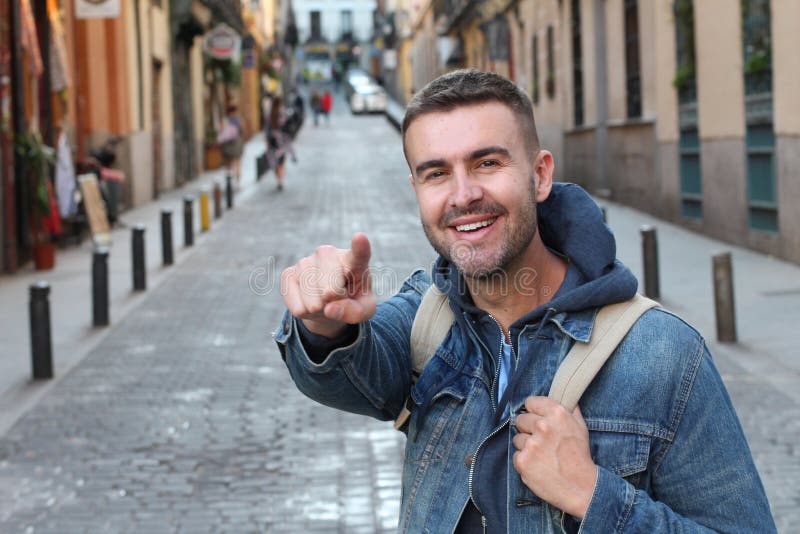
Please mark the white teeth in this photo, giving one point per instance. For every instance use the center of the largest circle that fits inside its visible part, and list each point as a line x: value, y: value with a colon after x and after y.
x: 474, y: 226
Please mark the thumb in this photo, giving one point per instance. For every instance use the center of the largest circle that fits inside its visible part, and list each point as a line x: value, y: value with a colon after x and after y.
x: 357, y: 258
x: 351, y: 311
x: 576, y: 413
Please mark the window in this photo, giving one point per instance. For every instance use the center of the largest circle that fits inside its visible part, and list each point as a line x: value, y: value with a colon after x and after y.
x: 347, y: 24
x: 316, y: 25
x: 577, y: 62
x: 762, y: 194
x: 684, y: 81
x: 551, y: 65
x: 535, y: 54
x: 633, y: 74
x: 691, y: 176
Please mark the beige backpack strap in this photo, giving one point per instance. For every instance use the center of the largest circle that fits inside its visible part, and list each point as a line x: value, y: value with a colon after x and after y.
x: 432, y: 322
x: 585, y: 360
x: 431, y: 325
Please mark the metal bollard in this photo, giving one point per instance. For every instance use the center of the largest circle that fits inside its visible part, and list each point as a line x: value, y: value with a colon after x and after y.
x: 166, y: 237
x: 137, y: 250
x: 217, y: 200
x: 650, y: 262
x: 724, y: 308
x: 41, y: 340
x: 228, y: 191
x: 100, y: 286
x: 188, y: 221
x: 205, y: 213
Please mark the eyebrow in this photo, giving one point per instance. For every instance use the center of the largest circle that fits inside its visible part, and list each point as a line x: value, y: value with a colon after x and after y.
x: 477, y: 154
x: 425, y: 165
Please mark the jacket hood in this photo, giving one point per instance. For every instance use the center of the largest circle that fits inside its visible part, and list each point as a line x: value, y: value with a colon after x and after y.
x: 571, y: 224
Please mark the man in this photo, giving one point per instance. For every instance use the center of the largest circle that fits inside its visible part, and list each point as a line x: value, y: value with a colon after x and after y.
x: 654, y: 446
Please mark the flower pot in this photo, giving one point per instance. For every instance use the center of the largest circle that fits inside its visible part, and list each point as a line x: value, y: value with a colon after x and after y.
x: 44, y: 256
x: 213, y: 157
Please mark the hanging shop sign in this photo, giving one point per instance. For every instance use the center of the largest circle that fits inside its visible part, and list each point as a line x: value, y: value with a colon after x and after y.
x: 222, y: 42
x: 97, y: 9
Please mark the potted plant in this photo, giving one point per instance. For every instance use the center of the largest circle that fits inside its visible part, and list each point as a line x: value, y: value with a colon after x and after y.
x: 213, y: 154
x: 37, y: 161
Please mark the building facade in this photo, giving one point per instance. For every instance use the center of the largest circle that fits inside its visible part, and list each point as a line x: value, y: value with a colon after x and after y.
x: 333, y: 33
x: 135, y: 72
x: 685, y: 109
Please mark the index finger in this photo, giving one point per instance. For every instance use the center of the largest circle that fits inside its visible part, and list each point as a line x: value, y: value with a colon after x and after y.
x: 540, y: 405
x: 357, y: 258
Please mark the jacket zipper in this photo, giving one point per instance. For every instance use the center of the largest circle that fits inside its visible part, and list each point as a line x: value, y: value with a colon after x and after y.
x: 497, y: 366
x: 495, y: 386
x: 472, y: 469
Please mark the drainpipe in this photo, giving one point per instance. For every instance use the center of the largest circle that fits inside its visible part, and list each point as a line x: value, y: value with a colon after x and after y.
x: 19, y: 125
x: 138, y: 23
x: 602, y: 185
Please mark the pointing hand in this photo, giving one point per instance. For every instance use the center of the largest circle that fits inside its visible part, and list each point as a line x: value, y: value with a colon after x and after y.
x: 331, y: 288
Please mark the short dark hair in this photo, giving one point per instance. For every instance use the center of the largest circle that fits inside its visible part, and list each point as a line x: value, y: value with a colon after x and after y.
x: 465, y: 87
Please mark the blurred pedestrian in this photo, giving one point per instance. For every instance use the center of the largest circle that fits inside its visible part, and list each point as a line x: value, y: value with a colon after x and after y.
x: 298, y: 103
x: 327, y: 104
x: 231, y: 143
x: 316, y: 105
x: 279, y: 142
x: 336, y: 74
x: 266, y: 108
x: 295, y: 113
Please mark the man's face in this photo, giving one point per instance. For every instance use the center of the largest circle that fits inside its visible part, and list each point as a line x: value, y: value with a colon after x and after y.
x: 476, y: 185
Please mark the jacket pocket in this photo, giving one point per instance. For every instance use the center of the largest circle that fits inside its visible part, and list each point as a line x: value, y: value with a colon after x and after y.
x: 625, y: 454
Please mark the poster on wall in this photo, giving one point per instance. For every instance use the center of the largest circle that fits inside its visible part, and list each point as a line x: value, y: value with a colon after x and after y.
x: 95, y: 209
x: 97, y: 9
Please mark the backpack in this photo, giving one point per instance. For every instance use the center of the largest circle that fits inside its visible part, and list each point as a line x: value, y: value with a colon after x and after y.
x: 434, y: 319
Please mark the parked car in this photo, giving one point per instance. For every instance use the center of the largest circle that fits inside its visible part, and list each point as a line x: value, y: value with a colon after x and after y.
x: 355, y: 78
x: 368, y: 98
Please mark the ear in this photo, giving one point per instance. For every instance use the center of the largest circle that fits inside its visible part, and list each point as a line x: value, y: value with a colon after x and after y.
x: 543, y: 167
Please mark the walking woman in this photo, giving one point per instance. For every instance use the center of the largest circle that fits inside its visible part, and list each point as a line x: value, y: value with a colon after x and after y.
x: 231, y: 142
x: 278, y: 141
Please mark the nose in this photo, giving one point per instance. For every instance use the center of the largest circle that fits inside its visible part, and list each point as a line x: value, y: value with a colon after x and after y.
x: 466, y: 189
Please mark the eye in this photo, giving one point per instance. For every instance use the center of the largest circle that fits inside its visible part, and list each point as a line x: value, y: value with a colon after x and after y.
x: 488, y: 163
x: 433, y: 175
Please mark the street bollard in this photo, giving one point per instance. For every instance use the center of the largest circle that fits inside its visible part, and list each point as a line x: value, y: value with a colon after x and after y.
x: 217, y: 200
x: 724, y: 308
x: 41, y: 340
x: 100, y: 286
x: 228, y: 191
x: 166, y: 237
x: 650, y: 262
x: 188, y: 221
x: 205, y: 213
x: 137, y: 250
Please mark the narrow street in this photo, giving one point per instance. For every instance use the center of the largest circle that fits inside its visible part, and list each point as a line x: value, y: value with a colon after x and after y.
x: 184, y: 419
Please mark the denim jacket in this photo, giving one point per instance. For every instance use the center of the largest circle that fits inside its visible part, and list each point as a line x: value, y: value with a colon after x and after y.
x: 671, y: 454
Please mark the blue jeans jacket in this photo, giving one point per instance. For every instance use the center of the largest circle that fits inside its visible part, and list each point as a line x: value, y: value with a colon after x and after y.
x: 671, y: 453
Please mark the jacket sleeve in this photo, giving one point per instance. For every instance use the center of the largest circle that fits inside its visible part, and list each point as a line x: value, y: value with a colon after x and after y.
x: 372, y: 375
x: 703, y: 479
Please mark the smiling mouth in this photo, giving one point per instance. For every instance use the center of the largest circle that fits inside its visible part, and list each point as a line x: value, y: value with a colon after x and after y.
x: 471, y: 227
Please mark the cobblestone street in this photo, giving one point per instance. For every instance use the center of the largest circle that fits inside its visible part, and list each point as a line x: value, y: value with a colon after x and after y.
x: 184, y: 419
